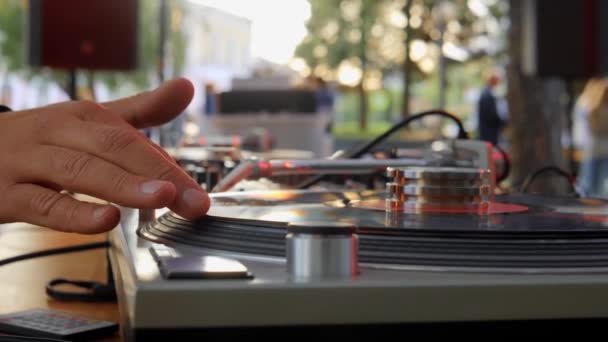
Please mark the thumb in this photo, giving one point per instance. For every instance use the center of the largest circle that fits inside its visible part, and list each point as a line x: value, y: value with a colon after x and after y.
x: 155, y: 107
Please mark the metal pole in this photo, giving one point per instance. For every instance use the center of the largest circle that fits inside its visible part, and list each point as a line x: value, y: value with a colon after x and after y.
x: 407, y: 63
x: 72, y: 91
x: 157, y: 134
x: 161, y: 40
x: 442, y: 67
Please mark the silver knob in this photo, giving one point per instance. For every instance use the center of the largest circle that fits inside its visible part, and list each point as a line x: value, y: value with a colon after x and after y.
x: 146, y: 215
x: 322, y: 250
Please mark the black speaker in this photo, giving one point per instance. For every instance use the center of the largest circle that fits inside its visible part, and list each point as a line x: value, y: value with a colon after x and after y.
x: 88, y: 34
x: 565, y: 38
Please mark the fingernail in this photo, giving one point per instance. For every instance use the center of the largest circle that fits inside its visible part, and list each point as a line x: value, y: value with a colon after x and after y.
x: 99, y: 213
x: 194, y: 198
x: 151, y: 187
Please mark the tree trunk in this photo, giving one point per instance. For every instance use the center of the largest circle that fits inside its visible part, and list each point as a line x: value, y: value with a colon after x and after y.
x: 72, y: 85
x: 91, y: 84
x: 389, y: 110
x: 162, y: 35
x: 407, y: 63
x: 362, y: 105
x: 441, y: 70
x: 536, y: 111
x: 363, y: 59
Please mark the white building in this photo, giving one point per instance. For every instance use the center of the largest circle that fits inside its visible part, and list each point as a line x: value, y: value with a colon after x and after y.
x: 218, y: 49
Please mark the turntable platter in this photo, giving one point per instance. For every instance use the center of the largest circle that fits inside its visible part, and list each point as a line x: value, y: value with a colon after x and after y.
x: 522, y: 233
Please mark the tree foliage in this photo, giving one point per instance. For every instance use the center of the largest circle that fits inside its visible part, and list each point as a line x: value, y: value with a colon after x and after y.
x: 338, y: 28
x: 370, y: 36
x: 12, y: 34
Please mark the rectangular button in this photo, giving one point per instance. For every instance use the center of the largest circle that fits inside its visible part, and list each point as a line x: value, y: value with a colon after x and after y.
x: 203, y: 267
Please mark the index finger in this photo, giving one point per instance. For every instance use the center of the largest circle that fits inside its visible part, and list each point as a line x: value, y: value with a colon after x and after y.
x: 155, y: 107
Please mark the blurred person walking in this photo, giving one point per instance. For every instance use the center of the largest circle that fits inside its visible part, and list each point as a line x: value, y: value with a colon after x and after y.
x: 590, y: 135
x: 490, y: 121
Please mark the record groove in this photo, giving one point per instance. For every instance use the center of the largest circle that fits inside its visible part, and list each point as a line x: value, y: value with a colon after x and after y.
x: 554, y: 234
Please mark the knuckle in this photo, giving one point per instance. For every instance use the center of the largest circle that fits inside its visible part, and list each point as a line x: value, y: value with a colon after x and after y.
x: 88, y: 106
x: 75, y: 165
x: 43, y: 124
x: 72, y: 212
x: 120, y: 182
x: 116, y: 139
x: 87, y: 110
x: 9, y: 209
x: 164, y: 171
x: 44, y: 202
x: 41, y: 121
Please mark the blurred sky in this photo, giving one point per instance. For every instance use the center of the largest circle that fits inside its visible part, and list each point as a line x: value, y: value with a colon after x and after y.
x: 277, y: 25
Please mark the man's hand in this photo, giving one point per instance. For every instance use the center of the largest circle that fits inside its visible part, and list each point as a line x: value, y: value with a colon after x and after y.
x: 94, y: 149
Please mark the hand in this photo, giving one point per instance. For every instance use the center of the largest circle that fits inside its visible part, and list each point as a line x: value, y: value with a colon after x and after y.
x: 93, y: 149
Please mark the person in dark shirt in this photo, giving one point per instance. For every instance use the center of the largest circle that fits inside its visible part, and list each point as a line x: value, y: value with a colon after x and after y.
x: 94, y: 149
x: 324, y: 97
x: 489, y: 121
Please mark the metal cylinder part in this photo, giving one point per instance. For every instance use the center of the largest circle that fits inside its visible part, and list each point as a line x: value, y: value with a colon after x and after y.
x: 438, y: 187
x: 322, y: 250
x: 146, y: 215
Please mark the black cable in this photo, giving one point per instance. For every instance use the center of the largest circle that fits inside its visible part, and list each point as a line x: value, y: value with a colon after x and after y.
x: 551, y: 168
x: 62, y: 250
x: 360, y: 151
x: 95, y: 291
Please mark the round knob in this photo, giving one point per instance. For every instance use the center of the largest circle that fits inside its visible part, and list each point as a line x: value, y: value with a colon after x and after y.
x: 322, y: 250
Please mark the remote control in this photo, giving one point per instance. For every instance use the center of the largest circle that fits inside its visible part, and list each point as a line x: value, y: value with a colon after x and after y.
x: 55, y: 324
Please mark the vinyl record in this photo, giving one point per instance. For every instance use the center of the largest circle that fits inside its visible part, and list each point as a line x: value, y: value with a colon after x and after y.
x: 517, y: 233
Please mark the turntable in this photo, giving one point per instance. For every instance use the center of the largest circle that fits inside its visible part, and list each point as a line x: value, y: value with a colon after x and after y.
x: 435, y: 252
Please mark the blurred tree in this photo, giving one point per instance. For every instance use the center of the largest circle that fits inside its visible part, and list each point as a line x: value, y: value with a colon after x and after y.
x: 177, y: 40
x: 358, y: 41
x: 337, y: 42
x: 407, y: 62
x: 12, y: 34
x: 537, y: 110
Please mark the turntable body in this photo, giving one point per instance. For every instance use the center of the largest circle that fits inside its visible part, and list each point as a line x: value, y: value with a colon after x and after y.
x: 404, y: 297
x: 436, y: 253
